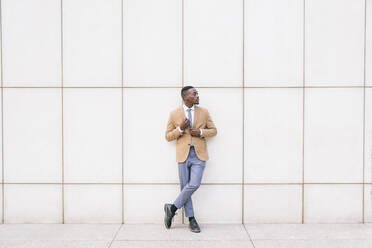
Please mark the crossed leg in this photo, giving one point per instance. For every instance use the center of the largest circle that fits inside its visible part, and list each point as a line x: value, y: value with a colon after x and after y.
x: 190, y: 174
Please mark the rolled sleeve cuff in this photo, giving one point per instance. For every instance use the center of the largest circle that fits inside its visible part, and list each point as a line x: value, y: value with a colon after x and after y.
x: 179, y: 129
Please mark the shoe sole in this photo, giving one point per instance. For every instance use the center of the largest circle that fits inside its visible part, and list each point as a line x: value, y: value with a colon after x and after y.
x: 195, y: 231
x: 165, y: 217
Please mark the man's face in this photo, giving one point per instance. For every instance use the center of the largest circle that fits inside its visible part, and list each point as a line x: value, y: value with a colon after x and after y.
x: 192, y: 96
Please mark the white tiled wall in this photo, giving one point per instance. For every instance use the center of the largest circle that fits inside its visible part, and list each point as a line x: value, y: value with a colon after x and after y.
x: 287, y: 83
x: 31, y: 43
x: 369, y: 43
x: 334, y: 45
x: 368, y: 137
x: 334, y: 135
x: 152, y: 42
x: 273, y: 135
x: 333, y: 203
x: 92, y: 135
x: 368, y: 203
x: 92, y: 42
x: 32, y: 203
x: 213, y: 45
x: 92, y: 203
x: 144, y: 203
x: 273, y: 42
x: 273, y: 203
x: 218, y: 203
x: 147, y: 156
x: 33, y: 136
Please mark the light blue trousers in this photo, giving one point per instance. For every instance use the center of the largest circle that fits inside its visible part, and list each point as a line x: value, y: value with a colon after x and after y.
x: 190, y: 173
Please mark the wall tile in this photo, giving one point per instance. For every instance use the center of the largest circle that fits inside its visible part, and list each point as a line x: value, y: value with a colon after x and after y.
x: 31, y: 42
x: 145, y: 203
x: 260, y: 199
x: 152, y: 42
x: 213, y: 42
x: 333, y: 135
x: 210, y: 207
x: 225, y: 150
x: 333, y: 203
x: 148, y: 157
x: 32, y: 203
x: 1, y: 143
x: 368, y: 203
x: 32, y: 135
x: 334, y: 42
x: 92, y: 43
x: 92, y: 135
x: 368, y: 137
x: 93, y: 203
x: 369, y: 44
x: 274, y: 48
x: 1, y: 201
x: 273, y: 135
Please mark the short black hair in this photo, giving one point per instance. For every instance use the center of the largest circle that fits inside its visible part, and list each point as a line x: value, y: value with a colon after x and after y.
x: 184, y: 89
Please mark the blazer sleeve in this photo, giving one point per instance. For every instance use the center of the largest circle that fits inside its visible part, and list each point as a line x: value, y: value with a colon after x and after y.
x: 211, y: 129
x: 172, y: 131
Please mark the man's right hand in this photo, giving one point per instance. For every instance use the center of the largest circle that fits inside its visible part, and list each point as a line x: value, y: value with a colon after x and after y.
x: 185, y: 124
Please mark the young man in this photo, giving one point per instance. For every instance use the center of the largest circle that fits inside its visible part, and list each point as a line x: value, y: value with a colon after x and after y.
x: 189, y: 124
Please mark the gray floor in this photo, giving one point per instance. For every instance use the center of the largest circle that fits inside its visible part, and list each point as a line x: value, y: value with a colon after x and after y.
x: 212, y: 235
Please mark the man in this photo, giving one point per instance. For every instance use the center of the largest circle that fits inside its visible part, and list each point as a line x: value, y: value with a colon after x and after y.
x: 189, y: 125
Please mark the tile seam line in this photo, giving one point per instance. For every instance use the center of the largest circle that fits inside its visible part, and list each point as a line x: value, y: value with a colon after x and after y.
x: 364, y: 105
x: 250, y: 238
x: 243, y: 112
x: 2, y: 119
x: 116, y: 234
x: 203, y: 184
x: 122, y: 111
x: 62, y: 103
x: 183, y: 215
x: 303, y: 110
x: 179, y: 87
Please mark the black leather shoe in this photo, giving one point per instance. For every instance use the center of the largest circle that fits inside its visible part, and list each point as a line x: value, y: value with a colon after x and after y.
x: 168, y: 215
x: 193, y: 225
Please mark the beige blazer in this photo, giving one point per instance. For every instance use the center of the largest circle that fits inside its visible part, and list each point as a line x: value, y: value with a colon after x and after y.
x: 202, y: 120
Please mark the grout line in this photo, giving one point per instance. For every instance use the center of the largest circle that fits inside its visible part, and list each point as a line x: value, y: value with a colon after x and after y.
x: 2, y: 119
x: 249, y: 236
x: 183, y: 43
x: 178, y: 87
x: 164, y: 183
x: 122, y: 112
x: 303, y: 112
x: 62, y: 103
x: 116, y: 234
x: 183, y: 69
x: 364, y: 105
x: 243, y: 110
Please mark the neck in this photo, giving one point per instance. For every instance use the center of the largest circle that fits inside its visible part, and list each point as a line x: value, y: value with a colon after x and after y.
x: 189, y: 105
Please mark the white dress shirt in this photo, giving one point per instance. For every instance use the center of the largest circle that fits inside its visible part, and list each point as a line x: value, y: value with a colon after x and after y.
x: 185, y: 108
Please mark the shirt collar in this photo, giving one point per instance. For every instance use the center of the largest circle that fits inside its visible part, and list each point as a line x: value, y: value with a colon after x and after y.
x: 186, y: 108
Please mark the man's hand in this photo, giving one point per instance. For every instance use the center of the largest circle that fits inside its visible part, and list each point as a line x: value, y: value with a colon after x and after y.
x: 185, y: 124
x: 195, y: 132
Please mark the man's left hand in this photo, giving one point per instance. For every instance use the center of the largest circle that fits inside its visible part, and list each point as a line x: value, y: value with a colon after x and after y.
x: 195, y: 132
